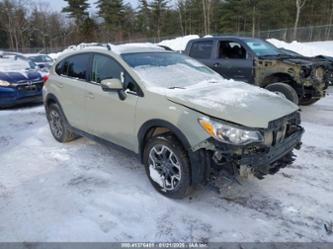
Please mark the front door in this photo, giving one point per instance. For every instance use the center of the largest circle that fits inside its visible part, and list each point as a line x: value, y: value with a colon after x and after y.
x: 233, y: 61
x: 108, y: 116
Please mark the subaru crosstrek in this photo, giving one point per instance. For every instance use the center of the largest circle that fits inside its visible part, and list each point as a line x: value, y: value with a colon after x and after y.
x: 185, y: 121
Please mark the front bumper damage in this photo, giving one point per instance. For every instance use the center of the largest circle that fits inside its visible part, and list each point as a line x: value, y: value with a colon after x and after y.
x: 281, y: 138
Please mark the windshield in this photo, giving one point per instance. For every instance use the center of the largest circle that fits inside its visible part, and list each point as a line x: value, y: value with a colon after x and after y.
x: 169, y: 70
x: 262, y: 48
x: 11, y: 64
x: 40, y: 58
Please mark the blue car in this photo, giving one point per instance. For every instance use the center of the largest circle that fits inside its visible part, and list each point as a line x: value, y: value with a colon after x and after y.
x: 19, y: 82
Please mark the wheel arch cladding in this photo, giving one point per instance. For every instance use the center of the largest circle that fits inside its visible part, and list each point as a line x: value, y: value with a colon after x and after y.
x: 52, y: 99
x: 197, y: 166
x: 269, y: 79
x: 159, y: 123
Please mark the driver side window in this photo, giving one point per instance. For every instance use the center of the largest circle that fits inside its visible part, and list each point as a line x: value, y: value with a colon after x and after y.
x: 231, y: 50
x: 104, y: 67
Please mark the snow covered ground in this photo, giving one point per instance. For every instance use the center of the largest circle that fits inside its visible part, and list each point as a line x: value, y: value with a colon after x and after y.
x: 85, y: 191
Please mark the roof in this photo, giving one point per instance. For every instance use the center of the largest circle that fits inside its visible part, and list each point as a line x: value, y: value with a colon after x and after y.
x: 136, y: 48
x: 226, y: 37
x: 118, y: 49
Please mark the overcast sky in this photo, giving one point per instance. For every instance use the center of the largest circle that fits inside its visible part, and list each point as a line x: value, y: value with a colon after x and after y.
x: 59, y: 4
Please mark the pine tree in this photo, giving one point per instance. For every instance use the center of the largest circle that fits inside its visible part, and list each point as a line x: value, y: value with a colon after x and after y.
x: 158, y: 9
x: 78, y: 10
x: 143, y: 17
x: 112, y: 11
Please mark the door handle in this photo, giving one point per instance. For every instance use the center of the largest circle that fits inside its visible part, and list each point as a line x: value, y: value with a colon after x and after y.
x: 216, y: 64
x: 90, y: 95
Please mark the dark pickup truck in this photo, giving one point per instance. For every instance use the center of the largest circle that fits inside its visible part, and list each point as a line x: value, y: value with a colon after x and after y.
x: 300, y: 79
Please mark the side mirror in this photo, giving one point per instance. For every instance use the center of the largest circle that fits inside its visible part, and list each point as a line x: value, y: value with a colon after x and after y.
x: 112, y: 85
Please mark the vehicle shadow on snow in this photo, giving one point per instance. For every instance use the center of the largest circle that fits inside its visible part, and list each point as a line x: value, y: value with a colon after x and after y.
x: 22, y: 106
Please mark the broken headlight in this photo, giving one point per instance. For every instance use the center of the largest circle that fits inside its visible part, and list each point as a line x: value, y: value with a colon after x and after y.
x: 229, y: 133
x: 319, y: 73
x: 305, y: 71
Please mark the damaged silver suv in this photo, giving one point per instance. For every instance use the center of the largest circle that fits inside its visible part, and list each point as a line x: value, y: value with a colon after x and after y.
x: 185, y: 121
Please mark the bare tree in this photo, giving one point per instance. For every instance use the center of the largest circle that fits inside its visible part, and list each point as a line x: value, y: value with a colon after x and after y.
x: 206, y: 10
x: 328, y: 32
x: 299, y: 5
x: 253, y: 6
x: 181, y: 9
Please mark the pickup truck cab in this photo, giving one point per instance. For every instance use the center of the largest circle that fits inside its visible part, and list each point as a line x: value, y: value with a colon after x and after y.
x: 300, y: 79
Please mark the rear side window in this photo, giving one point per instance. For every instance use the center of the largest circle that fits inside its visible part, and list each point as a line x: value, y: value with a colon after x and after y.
x: 201, y: 49
x: 59, y: 68
x: 76, y: 66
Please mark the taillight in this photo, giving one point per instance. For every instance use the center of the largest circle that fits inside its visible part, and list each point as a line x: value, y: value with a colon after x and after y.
x: 45, y: 78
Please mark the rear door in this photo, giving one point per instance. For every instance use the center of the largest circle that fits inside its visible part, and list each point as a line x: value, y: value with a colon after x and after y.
x: 73, y: 74
x: 108, y: 116
x: 233, y: 61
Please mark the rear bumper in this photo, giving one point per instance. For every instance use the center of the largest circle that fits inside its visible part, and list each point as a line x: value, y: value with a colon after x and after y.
x: 12, y: 96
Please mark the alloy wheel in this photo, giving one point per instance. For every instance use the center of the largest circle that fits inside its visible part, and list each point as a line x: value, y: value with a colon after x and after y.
x: 165, y: 168
x: 56, y: 123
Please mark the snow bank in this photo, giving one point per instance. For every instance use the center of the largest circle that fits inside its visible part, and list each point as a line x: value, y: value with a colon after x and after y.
x: 179, y: 43
x: 306, y: 49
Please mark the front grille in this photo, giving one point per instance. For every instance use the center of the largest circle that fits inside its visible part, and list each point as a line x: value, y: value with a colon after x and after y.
x: 282, y: 128
x: 29, y: 86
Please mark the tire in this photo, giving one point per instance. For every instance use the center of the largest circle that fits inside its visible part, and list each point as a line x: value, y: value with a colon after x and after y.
x: 59, y: 127
x: 288, y: 91
x: 308, y: 101
x: 177, y: 187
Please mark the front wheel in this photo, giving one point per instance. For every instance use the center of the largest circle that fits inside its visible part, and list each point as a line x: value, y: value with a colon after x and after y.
x: 284, y: 89
x: 167, y: 166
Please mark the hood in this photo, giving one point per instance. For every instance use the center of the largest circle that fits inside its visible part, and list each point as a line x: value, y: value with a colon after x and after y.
x: 16, y: 77
x: 298, y: 59
x: 233, y: 101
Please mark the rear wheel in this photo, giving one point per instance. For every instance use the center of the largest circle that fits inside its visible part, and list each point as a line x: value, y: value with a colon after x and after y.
x: 284, y: 89
x: 167, y: 166
x: 58, y: 125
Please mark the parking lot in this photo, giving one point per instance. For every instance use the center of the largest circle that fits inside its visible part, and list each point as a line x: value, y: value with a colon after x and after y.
x: 85, y: 191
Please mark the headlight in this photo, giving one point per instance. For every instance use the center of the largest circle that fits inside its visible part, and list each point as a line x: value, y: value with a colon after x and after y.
x: 4, y: 83
x: 228, y: 133
x: 305, y: 72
